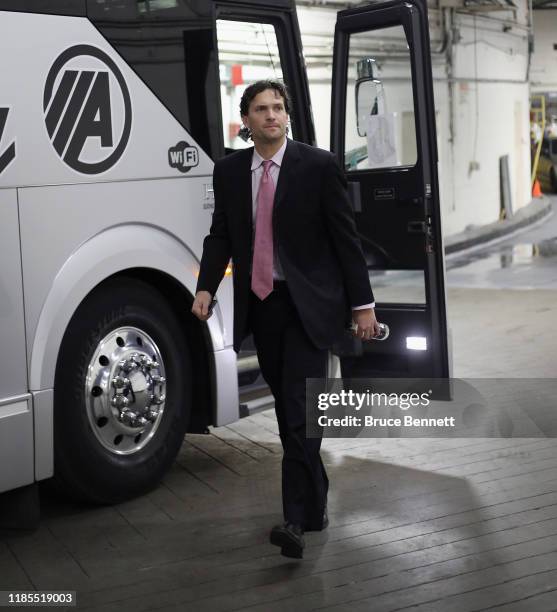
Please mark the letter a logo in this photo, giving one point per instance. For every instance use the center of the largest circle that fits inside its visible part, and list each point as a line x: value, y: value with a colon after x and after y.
x: 87, y: 109
x: 7, y: 156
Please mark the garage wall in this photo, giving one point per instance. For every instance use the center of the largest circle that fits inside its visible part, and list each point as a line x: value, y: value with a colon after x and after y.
x: 544, y: 59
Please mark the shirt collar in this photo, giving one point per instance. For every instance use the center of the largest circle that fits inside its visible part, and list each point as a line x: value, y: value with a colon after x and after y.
x: 257, y: 160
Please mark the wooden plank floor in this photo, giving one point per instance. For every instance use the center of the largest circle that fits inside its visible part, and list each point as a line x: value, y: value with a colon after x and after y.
x: 423, y: 525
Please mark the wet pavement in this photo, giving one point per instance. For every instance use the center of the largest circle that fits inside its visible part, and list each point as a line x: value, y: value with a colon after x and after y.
x: 526, y: 260
x: 502, y: 306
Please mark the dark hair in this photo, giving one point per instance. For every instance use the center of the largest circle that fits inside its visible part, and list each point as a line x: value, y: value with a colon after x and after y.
x: 256, y: 88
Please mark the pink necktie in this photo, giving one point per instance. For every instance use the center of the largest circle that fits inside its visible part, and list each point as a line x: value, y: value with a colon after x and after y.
x: 262, y: 269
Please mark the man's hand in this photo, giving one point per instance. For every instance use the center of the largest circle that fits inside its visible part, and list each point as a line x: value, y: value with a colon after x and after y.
x: 201, y: 305
x: 366, y: 324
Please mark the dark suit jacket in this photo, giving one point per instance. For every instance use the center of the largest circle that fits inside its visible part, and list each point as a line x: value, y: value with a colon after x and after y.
x: 313, y: 230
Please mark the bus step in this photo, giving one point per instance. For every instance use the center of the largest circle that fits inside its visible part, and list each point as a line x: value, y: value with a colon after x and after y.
x: 256, y: 405
x: 247, y: 363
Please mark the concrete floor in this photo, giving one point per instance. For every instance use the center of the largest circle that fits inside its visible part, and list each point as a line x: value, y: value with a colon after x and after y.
x: 427, y: 525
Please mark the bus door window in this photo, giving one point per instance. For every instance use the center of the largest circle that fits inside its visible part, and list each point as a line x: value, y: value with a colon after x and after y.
x: 380, y: 133
x: 248, y: 52
x: 380, y: 129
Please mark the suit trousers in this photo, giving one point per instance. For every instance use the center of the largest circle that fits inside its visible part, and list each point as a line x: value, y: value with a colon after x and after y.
x: 287, y: 357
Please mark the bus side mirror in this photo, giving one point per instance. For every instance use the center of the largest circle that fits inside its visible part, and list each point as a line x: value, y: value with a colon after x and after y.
x: 369, y: 93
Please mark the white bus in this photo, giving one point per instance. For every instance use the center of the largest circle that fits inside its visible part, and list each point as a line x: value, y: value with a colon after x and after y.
x: 111, y: 114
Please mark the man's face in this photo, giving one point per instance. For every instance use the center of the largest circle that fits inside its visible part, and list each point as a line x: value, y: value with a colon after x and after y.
x: 267, y: 118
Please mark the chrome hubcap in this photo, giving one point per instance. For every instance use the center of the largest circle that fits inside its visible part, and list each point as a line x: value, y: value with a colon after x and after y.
x: 125, y: 390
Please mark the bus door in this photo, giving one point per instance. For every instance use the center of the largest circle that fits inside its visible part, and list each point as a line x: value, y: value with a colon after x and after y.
x: 258, y: 40
x: 383, y: 134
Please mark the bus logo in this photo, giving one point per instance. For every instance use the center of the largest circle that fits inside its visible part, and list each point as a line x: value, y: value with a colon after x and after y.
x: 183, y: 156
x: 87, y: 106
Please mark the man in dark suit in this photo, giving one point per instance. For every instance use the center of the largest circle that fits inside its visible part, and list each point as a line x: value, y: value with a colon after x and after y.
x: 283, y: 215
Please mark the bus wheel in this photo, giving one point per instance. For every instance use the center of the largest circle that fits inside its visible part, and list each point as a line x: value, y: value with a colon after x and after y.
x: 122, y: 393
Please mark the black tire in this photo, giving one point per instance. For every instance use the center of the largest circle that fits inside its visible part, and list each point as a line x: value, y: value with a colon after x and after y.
x: 83, y: 466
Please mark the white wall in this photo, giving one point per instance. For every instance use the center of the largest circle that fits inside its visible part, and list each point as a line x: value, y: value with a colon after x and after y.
x: 491, y: 119
x: 486, y: 103
x: 543, y: 73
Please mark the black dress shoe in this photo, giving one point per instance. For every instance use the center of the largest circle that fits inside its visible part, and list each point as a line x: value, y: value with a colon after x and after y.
x: 290, y: 538
x: 324, y: 525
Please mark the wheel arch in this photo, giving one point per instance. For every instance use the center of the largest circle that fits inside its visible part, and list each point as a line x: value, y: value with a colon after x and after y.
x: 160, y: 260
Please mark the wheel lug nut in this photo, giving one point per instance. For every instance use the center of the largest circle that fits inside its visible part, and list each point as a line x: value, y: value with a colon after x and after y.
x: 127, y: 365
x: 128, y: 417
x: 120, y: 401
x: 119, y: 382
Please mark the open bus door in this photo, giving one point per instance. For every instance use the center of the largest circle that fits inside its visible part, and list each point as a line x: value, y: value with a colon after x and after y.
x: 383, y: 134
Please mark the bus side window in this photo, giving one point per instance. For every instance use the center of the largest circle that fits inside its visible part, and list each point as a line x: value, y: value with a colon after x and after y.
x: 169, y: 44
x: 52, y: 7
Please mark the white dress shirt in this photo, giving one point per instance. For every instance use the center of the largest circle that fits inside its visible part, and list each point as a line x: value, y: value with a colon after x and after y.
x: 274, y: 170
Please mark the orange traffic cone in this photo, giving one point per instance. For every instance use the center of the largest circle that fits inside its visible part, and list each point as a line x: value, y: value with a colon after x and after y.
x: 537, y: 190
